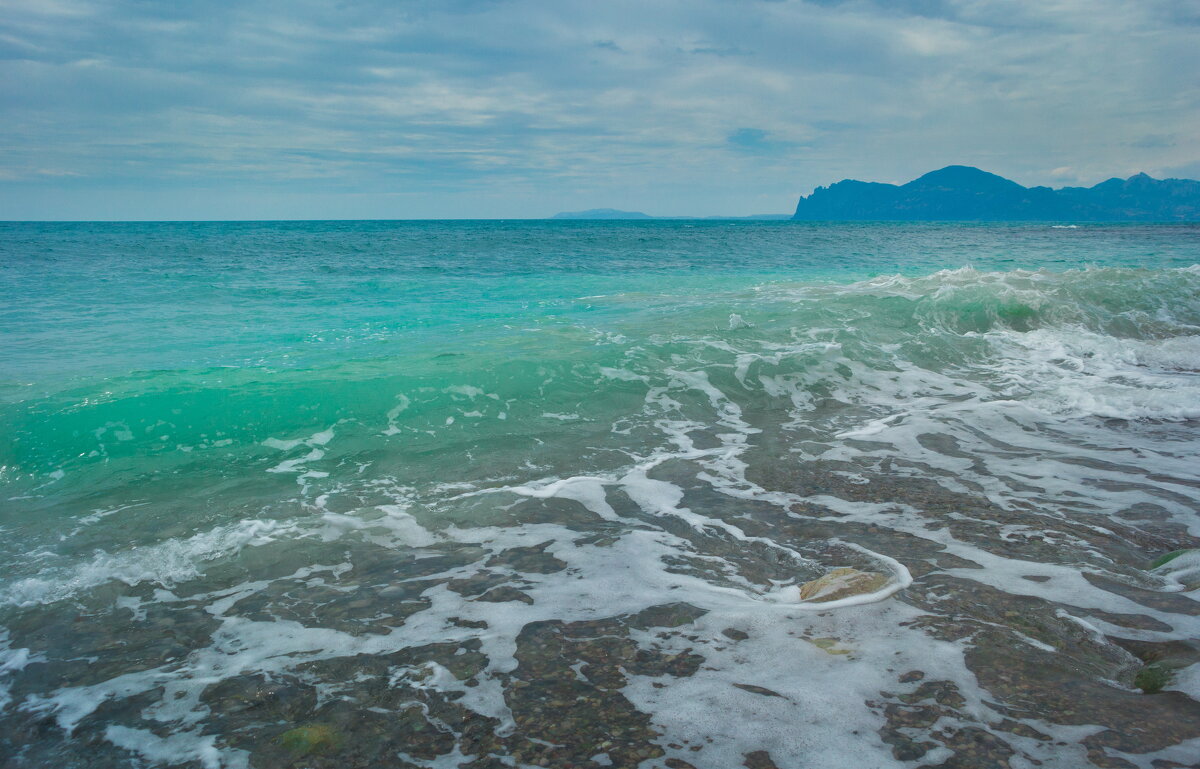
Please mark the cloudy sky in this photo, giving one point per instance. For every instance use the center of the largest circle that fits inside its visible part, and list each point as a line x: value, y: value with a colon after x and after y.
x: 198, y: 109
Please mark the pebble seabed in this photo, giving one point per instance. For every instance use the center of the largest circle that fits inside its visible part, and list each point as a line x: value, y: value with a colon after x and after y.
x: 498, y: 646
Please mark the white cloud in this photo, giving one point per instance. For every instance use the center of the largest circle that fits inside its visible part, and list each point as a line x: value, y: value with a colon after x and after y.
x: 577, y: 104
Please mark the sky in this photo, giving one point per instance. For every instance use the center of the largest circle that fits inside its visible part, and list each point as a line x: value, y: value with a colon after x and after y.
x: 409, y: 109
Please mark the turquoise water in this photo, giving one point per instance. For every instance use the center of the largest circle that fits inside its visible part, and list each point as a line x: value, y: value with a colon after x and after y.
x: 238, y: 452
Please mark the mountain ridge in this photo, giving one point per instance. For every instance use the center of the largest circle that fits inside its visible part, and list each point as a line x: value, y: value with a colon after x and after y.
x: 966, y: 193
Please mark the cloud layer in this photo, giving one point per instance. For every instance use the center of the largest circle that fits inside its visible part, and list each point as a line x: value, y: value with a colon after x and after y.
x: 511, y: 108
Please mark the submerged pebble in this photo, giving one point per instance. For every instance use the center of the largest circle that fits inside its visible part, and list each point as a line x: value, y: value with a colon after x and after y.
x: 307, y: 740
x: 842, y: 583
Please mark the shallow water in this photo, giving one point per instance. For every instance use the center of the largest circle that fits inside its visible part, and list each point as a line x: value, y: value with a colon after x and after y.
x: 541, y: 494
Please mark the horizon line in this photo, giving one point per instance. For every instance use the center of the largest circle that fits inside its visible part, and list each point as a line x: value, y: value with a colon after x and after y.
x: 647, y: 220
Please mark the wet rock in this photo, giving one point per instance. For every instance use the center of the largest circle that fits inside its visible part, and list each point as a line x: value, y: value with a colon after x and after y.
x: 1069, y: 685
x: 961, y: 608
x: 735, y: 634
x: 1100, y: 758
x: 759, y: 759
x: 468, y: 623
x: 307, y: 740
x: 652, y: 662
x: 1183, y: 566
x: 941, y: 692
x: 534, y: 560
x: 565, y: 694
x: 114, y: 644
x: 1134, y: 621
x: 356, y: 738
x: 504, y: 594
x: 829, y: 645
x: 29, y: 741
x: 116, y: 711
x: 842, y: 583
x: 353, y: 609
x: 975, y: 748
x: 254, y: 696
x: 1177, y: 653
x: 1063, y: 689
x: 758, y: 690
x: 478, y: 583
x: 666, y: 615
x: 905, y: 749
x: 1174, y: 603
x: 916, y: 714
x: 1022, y: 730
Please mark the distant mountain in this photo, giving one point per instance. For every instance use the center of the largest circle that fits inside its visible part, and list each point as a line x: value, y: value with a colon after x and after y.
x: 601, y: 213
x: 612, y: 213
x: 965, y: 193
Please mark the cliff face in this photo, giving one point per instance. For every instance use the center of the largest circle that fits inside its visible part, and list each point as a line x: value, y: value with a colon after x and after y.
x: 969, y: 194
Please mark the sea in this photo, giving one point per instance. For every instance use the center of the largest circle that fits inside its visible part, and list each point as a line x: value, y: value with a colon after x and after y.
x: 488, y: 494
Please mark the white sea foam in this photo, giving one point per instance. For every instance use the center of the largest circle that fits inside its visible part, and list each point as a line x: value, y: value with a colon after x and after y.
x: 11, y: 661
x: 297, y: 464
x: 587, y: 491
x: 178, y: 748
x: 1187, y: 681
x: 1073, y: 371
x: 1183, y: 571
x: 165, y: 563
x: 471, y: 391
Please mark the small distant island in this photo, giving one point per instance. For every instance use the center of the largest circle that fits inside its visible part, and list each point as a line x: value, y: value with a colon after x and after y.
x: 601, y: 213
x: 613, y: 213
x: 963, y: 193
